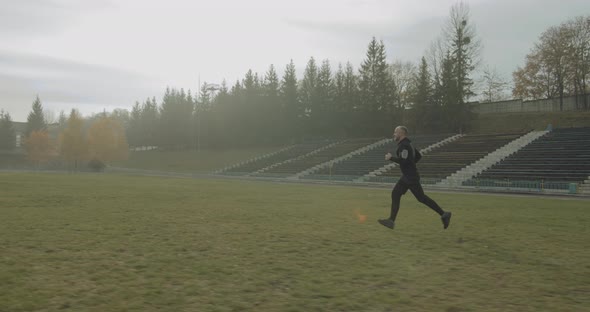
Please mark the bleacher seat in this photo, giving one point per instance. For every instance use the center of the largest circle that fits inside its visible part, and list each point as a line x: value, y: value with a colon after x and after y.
x: 371, y: 160
x: 450, y: 158
x: 300, y: 164
x: 562, y: 155
x: 288, y: 153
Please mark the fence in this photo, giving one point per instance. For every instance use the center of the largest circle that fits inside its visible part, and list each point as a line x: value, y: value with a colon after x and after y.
x: 536, y: 186
x: 524, y: 185
x: 570, y: 103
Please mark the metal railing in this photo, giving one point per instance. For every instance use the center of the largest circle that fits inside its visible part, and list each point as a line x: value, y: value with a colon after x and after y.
x: 540, y: 185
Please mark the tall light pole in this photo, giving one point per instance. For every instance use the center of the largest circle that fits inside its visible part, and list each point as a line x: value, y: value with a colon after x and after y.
x: 212, y: 87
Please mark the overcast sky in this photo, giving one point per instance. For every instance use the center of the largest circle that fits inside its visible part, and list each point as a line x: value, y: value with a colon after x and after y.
x: 99, y: 55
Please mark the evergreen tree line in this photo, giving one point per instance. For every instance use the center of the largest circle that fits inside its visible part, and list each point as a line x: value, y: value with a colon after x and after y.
x: 268, y: 109
x: 341, y: 101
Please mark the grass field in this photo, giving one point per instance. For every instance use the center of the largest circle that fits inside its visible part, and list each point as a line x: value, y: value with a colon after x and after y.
x: 191, y: 161
x: 86, y: 242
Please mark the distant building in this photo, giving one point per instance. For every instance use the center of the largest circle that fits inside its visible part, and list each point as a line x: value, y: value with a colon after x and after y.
x: 20, y: 128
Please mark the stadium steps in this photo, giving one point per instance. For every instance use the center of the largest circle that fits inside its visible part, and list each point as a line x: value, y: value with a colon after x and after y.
x: 423, y: 151
x: 584, y: 188
x: 457, y: 178
x: 334, y: 161
x: 293, y: 159
x: 252, y: 160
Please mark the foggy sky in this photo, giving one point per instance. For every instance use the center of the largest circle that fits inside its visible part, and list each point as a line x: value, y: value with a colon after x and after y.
x: 101, y: 55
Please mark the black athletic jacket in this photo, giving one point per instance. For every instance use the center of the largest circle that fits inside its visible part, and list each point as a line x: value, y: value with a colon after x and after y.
x: 407, y: 157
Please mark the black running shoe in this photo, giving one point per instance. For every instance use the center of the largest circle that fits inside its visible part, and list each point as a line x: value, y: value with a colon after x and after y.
x: 446, y: 219
x: 387, y: 222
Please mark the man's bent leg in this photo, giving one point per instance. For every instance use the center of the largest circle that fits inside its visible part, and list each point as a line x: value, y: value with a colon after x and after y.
x: 418, y: 192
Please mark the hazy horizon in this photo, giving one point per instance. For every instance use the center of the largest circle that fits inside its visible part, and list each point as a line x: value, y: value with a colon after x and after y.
x: 106, y: 54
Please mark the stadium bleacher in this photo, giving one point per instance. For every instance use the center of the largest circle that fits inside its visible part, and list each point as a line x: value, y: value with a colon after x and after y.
x: 300, y: 164
x: 448, y: 159
x: 371, y: 160
x: 562, y: 155
x: 286, y: 154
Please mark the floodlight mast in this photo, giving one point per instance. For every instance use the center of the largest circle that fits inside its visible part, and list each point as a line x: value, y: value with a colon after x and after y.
x: 208, y: 87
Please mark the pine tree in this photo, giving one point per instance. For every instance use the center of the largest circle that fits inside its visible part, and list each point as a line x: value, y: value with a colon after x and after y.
x: 463, y: 55
x: 426, y: 113
x: 176, y: 119
x: 292, y: 107
x: 167, y: 129
x: 463, y: 49
x: 252, y: 108
x: 374, y: 81
x: 325, y: 88
x: 150, y: 119
x: 309, y: 88
x: 7, y: 132
x: 62, y: 121
x: 338, y: 88
x: 134, y: 131
x: 36, y: 118
x: 449, y: 95
x: 351, y: 89
x: 271, y: 83
x: 272, y: 108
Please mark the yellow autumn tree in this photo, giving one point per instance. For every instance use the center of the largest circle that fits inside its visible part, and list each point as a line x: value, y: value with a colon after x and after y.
x: 73, y: 144
x: 38, y: 147
x: 107, y: 141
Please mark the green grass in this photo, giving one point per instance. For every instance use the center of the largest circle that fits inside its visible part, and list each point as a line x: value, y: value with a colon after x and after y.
x: 191, y: 161
x: 86, y: 242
